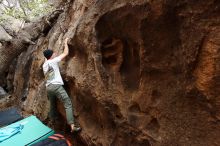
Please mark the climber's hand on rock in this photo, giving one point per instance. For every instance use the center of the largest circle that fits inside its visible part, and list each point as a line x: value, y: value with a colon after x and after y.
x: 66, y: 40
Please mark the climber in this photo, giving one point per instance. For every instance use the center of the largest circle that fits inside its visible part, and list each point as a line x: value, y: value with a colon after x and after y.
x: 54, y: 86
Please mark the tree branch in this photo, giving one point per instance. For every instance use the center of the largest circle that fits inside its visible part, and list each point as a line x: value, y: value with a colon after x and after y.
x: 22, y: 7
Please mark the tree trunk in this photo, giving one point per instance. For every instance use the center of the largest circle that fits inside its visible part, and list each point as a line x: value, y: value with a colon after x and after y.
x: 9, y: 51
x: 12, y: 47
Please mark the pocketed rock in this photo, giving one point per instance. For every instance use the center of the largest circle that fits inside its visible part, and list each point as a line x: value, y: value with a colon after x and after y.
x: 139, y: 72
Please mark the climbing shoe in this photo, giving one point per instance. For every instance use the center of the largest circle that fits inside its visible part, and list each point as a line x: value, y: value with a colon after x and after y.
x: 75, y: 129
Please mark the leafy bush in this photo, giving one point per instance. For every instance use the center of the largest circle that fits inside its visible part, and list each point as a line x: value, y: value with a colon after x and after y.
x: 25, y: 10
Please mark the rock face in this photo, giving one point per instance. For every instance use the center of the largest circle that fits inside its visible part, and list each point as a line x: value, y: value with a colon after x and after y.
x: 139, y: 72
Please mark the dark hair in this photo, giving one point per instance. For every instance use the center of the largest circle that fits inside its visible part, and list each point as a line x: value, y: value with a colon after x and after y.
x: 48, y: 53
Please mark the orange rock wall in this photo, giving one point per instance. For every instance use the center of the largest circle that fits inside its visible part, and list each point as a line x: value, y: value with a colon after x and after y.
x: 139, y: 72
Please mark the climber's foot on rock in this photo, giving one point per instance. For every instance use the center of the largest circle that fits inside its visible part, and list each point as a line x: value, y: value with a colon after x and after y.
x: 75, y: 129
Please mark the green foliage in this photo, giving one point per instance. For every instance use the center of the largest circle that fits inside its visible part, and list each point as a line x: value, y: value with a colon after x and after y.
x: 24, y: 9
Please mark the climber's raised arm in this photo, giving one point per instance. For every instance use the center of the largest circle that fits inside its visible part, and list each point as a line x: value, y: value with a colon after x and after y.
x: 65, y: 51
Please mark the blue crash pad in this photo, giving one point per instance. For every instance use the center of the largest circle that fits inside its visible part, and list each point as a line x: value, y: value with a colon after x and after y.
x: 33, y: 131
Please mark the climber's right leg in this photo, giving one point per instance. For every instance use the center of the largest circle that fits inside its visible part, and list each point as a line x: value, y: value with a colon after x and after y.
x: 51, y: 94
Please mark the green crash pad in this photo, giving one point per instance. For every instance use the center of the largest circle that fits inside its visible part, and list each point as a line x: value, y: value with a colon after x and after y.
x: 34, y: 131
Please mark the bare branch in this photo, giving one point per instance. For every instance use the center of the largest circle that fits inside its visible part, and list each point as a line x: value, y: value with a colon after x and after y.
x: 22, y: 7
